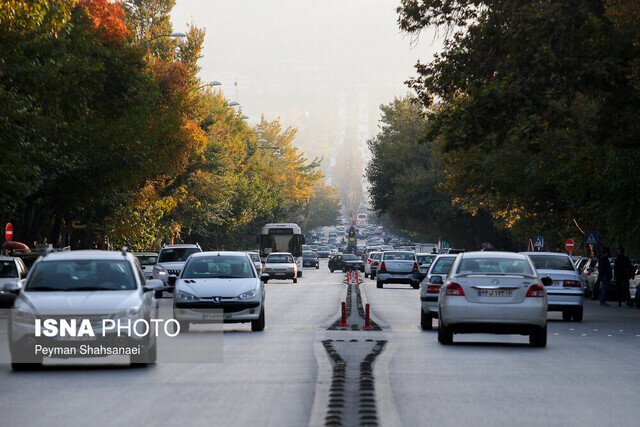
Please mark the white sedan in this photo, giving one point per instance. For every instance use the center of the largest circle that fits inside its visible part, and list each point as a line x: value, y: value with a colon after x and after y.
x: 493, y: 292
x: 217, y: 287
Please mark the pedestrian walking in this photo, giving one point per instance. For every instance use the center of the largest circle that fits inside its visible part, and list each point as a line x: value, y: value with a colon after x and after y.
x: 605, y: 275
x: 623, y: 271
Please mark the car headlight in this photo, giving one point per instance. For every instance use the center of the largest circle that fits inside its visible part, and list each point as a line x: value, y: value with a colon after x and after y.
x: 247, y: 295
x: 186, y: 296
x: 24, y: 316
x: 160, y: 271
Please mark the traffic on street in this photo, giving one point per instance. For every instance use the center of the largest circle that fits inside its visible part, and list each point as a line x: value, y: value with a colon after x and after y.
x: 319, y: 213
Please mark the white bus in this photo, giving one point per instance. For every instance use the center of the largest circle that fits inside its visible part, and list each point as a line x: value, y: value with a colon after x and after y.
x: 361, y: 220
x: 282, y: 238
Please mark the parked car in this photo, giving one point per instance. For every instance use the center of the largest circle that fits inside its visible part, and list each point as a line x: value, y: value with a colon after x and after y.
x: 171, y: 261
x: 493, y: 292
x: 226, y: 281
x: 257, y: 262
x: 424, y: 262
x: 371, y: 264
x: 430, y: 288
x: 564, y: 291
x: 83, y: 282
x: 147, y: 261
x: 310, y: 259
x: 345, y: 262
x: 588, y: 275
x: 398, y: 267
x: 12, y: 273
x: 281, y: 265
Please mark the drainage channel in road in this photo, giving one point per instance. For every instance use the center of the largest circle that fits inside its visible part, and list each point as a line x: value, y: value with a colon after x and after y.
x: 355, y: 318
x: 352, y: 399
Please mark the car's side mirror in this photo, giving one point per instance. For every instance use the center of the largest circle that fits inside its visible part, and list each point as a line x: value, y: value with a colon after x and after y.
x: 264, y: 277
x: 436, y: 280
x: 547, y: 281
x: 153, y: 285
x: 23, y: 274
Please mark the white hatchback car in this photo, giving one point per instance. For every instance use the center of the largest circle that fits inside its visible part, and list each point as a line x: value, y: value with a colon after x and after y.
x: 227, y: 282
x: 493, y: 292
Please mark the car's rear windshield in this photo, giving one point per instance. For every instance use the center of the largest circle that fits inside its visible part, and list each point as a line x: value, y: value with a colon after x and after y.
x: 176, y: 254
x: 323, y: 248
x: 442, y: 265
x: 425, y: 259
x: 147, y: 259
x: 81, y: 275
x: 350, y: 257
x: 254, y: 257
x: 494, y: 266
x: 399, y: 256
x: 218, y: 267
x: 552, y: 262
x: 8, y: 269
x: 279, y: 258
x: 308, y: 254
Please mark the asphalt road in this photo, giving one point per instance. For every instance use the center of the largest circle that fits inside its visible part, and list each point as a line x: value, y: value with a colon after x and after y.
x: 588, y: 375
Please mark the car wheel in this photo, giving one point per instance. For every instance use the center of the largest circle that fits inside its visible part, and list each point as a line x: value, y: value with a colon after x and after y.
x: 299, y: 273
x: 426, y: 321
x: 258, y: 324
x: 366, y: 276
x: 295, y: 280
x: 331, y: 269
x: 158, y: 294
x: 344, y: 270
x: 25, y: 366
x: 317, y: 266
x: 147, y: 355
x: 538, y: 338
x: 379, y: 284
x: 373, y: 275
x: 182, y: 325
x: 415, y: 285
x: 566, y: 315
x: 445, y: 335
x: 577, y: 314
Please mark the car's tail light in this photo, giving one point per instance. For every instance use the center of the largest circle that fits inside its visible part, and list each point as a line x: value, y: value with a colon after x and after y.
x: 382, y: 267
x: 433, y: 289
x: 571, y: 284
x: 368, y: 261
x: 455, y: 289
x: 374, y: 263
x: 536, y: 290
x: 415, y: 267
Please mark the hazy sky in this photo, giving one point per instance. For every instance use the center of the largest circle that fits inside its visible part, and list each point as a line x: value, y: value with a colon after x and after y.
x: 323, y: 66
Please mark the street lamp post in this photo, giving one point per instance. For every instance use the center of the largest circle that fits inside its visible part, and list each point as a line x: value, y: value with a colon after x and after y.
x: 172, y: 35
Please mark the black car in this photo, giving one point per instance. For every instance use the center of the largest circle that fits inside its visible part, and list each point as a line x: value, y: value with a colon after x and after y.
x: 310, y: 259
x: 344, y: 262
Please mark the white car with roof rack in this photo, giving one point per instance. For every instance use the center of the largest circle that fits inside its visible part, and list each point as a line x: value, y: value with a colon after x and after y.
x: 89, y: 284
x: 171, y: 261
x: 493, y: 292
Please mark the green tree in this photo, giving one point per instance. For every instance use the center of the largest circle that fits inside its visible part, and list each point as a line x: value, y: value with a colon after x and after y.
x: 537, y: 113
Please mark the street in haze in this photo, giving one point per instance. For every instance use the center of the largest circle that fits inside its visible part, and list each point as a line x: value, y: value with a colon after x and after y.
x: 319, y: 213
x: 271, y: 377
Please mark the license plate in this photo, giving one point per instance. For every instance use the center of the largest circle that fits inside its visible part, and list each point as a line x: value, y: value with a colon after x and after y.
x: 73, y: 339
x: 494, y: 293
x: 218, y: 316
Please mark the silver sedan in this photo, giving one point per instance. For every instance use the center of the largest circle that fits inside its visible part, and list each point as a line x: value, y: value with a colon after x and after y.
x: 493, y: 292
